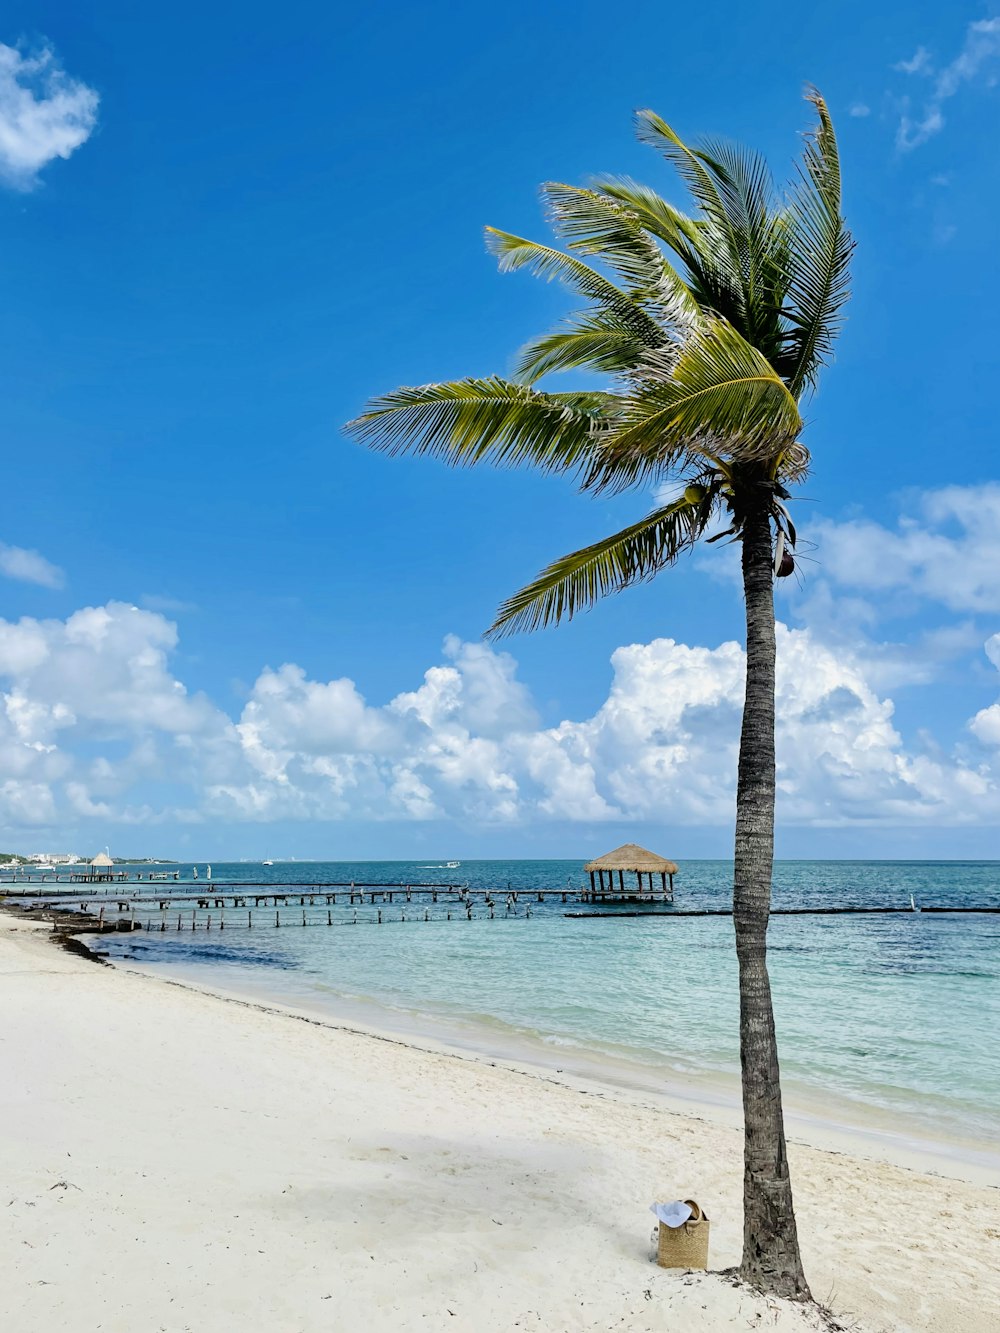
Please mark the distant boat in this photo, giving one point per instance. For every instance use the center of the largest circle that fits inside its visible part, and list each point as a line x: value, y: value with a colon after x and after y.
x: 43, y: 866
x: 452, y: 865
x: 267, y: 863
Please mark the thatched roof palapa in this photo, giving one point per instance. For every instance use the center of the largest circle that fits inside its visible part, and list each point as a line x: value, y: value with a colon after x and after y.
x: 633, y: 858
x: 102, y: 860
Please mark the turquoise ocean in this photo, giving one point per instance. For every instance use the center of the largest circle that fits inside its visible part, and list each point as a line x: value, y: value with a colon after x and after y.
x: 885, y: 1020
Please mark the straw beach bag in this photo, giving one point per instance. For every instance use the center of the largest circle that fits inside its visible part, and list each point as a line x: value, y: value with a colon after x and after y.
x: 685, y: 1246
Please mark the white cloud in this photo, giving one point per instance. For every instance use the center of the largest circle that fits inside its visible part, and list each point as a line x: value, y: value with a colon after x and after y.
x: 102, y: 673
x: 288, y: 714
x: 859, y: 109
x: 919, y: 62
x: 912, y: 133
x: 44, y: 114
x: 478, y: 692
x: 979, y: 52
x: 27, y: 805
x: 946, y: 550
x: 986, y: 724
x: 29, y: 567
x: 665, y: 742
x: 95, y: 726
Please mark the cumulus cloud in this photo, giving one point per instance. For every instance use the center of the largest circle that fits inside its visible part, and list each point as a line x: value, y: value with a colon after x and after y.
x: 94, y: 725
x: 977, y: 58
x: 29, y: 567
x: 946, y: 550
x: 986, y: 724
x: 44, y: 114
x: 101, y: 675
x: 665, y: 742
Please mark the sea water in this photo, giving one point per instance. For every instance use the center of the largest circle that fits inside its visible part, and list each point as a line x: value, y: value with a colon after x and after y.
x: 893, y: 1016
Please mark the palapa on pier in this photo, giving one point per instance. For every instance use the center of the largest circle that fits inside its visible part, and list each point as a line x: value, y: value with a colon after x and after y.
x: 631, y: 859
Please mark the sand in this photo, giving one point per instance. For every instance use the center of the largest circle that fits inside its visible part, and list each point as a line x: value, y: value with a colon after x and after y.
x: 175, y: 1161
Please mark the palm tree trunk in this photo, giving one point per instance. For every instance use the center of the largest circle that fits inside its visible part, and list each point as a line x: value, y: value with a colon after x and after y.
x: 771, y: 1259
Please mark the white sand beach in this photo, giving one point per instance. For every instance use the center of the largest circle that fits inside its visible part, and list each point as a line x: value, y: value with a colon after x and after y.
x: 176, y: 1161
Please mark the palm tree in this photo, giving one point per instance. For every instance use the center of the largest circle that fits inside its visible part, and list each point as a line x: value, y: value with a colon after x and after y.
x: 711, y: 328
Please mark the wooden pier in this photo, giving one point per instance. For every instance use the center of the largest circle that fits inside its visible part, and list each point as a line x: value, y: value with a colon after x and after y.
x: 151, y: 914
x: 254, y: 904
x: 261, y: 895
x: 148, y: 914
x: 146, y: 905
x: 42, y: 888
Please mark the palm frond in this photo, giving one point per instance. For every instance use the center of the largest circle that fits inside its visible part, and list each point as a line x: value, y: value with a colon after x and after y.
x: 713, y: 283
x: 487, y: 420
x: 789, y: 464
x: 745, y: 186
x: 660, y: 218
x: 595, y: 341
x: 819, y: 254
x: 514, y: 252
x: 707, y: 269
x: 722, y: 397
x: 725, y: 248
x: 578, y: 581
x: 596, y: 224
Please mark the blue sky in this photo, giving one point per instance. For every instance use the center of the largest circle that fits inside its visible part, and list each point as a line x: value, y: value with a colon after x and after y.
x: 222, y: 233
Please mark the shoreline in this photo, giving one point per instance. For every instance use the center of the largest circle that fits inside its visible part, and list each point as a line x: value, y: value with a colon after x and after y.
x: 175, y: 1159
x: 855, y: 1128
x: 714, y: 1098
